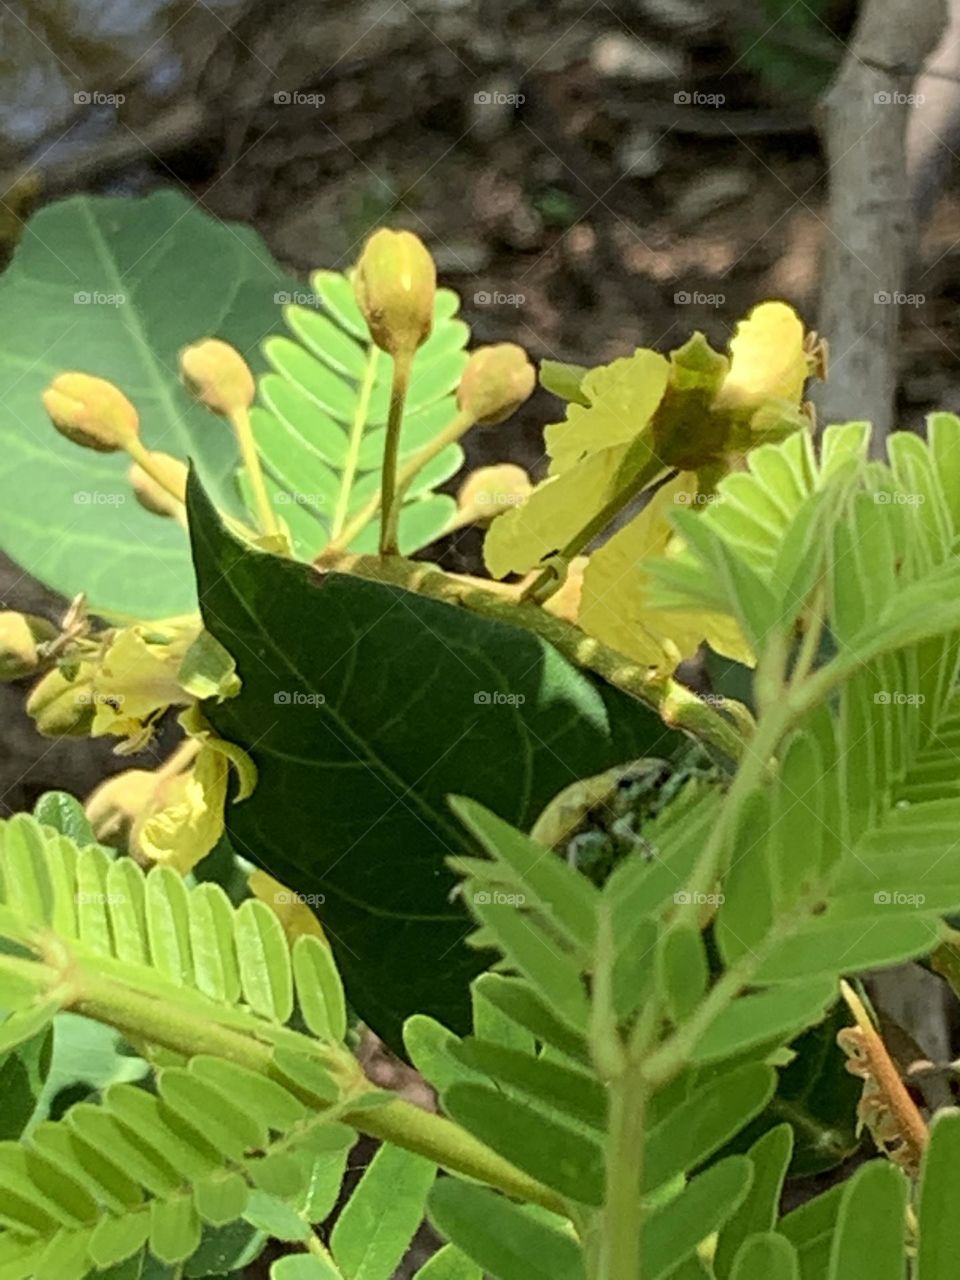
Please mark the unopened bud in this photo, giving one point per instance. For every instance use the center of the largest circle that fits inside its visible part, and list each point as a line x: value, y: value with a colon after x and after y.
x: 395, y: 284
x: 91, y: 412
x: 157, y: 497
x: 218, y: 375
x: 489, y: 491
x: 495, y: 383
x: 60, y: 707
x: 19, y: 635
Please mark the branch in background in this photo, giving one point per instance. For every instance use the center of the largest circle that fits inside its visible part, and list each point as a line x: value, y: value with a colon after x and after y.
x: 865, y: 122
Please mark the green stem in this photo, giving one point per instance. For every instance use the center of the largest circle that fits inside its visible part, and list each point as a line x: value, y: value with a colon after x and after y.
x: 240, y: 417
x: 453, y: 1148
x: 548, y: 582
x: 619, y: 1251
x: 353, y: 448
x: 391, y: 454
x: 146, y: 1017
x: 406, y: 474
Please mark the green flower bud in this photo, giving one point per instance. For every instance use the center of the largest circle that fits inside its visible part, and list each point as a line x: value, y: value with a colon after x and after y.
x: 63, y: 708
x: 218, y: 375
x: 91, y: 412
x: 495, y: 383
x: 20, y: 634
x: 395, y: 284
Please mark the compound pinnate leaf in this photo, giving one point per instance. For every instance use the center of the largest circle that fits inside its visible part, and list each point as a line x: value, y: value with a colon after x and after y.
x: 321, y: 420
x: 115, y: 287
x: 336, y: 759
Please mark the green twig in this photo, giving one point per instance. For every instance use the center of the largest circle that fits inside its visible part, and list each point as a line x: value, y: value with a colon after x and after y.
x: 391, y: 453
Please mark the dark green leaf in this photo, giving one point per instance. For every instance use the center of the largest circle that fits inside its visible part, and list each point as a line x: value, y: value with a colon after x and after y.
x: 354, y: 771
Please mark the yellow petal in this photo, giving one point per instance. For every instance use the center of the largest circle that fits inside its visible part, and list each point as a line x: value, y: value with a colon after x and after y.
x: 615, y: 608
x: 554, y: 512
x: 135, y: 678
x: 623, y: 397
x: 767, y: 359
x: 291, y: 909
x: 190, y: 822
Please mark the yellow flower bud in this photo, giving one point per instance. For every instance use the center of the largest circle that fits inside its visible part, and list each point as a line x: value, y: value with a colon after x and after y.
x: 218, y: 375
x: 156, y: 497
x: 495, y: 383
x: 91, y: 412
x: 113, y: 807
x: 19, y: 635
x: 63, y: 708
x: 488, y: 491
x: 395, y: 284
